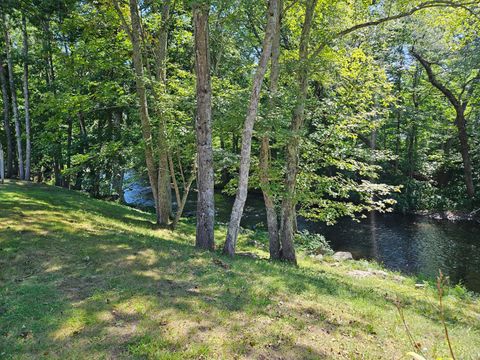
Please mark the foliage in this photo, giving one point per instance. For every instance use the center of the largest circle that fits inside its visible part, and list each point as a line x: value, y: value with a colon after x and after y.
x: 313, y: 243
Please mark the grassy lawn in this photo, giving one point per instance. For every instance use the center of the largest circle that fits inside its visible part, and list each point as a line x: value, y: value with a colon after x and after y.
x: 83, y: 278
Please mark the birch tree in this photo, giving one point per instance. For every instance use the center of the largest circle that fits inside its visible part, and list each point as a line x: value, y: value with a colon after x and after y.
x: 245, y: 155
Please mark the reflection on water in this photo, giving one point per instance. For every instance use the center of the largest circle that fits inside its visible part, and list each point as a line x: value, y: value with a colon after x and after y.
x: 412, y: 244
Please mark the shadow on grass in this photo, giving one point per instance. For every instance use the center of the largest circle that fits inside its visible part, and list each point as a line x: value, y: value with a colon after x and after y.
x: 106, y: 288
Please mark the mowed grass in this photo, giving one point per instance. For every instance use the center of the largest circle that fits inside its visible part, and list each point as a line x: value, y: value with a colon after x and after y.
x: 87, y: 279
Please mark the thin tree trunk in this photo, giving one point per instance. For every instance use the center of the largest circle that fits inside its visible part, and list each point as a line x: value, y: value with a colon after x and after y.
x: 26, y: 95
x: 2, y: 165
x: 143, y: 106
x: 69, y: 151
x: 18, y: 132
x: 461, y: 124
x: 174, y: 180
x: 293, y: 146
x: 56, y: 169
x: 182, y: 175
x: 119, y: 173
x: 118, y: 186
x: 205, y: 179
x: 245, y: 157
x: 164, y: 190
x: 265, y: 154
x: 183, y: 201
x: 83, y: 148
x: 6, y: 121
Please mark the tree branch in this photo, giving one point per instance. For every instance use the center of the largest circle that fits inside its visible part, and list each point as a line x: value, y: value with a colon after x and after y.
x: 434, y: 81
x: 421, y: 6
x: 122, y: 19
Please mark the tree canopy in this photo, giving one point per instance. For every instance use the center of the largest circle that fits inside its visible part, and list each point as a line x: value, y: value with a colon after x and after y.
x: 328, y: 108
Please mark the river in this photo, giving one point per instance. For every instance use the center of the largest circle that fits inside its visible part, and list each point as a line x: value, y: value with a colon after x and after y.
x: 411, y: 244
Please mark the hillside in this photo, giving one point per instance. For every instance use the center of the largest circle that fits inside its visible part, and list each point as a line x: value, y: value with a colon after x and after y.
x: 83, y: 278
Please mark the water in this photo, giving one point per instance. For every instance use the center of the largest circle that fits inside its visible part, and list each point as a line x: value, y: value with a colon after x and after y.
x: 411, y: 244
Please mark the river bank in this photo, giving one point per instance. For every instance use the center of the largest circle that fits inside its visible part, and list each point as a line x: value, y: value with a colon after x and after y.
x: 450, y: 215
x: 418, y: 245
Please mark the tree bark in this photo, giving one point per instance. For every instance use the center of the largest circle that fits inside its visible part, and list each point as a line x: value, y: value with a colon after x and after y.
x: 143, y: 107
x: 66, y: 180
x: 245, y: 153
x: 118, y: 171
x: 205, y: 179
x: 174, y: 180
x: 265, y: 154
x: 18, y: 132
x: 2, y: 165
x: 183, y: 200
x: 164, y: 190
x: 293, y: 146
x: 26, y: 95
x: 6, y: 121
x: 461, y: 124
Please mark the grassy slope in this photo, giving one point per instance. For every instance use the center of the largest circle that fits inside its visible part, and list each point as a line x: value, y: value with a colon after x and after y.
x: 81, y: 278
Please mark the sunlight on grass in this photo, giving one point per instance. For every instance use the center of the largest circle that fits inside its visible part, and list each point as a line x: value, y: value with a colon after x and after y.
x: 85, y: 278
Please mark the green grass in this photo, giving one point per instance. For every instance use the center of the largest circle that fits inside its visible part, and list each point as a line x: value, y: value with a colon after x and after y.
x: 82, y: 278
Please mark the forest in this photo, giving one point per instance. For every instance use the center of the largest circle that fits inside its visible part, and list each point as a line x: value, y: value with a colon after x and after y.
x: 325, y: 110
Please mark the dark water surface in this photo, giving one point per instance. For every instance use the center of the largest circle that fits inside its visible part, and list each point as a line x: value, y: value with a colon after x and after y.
x: 411, y: 244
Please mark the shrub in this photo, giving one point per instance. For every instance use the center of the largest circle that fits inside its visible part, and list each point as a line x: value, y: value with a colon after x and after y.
x: 313, y: 244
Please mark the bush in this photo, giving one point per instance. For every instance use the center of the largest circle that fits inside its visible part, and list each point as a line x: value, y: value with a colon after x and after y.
x: 313, y: 244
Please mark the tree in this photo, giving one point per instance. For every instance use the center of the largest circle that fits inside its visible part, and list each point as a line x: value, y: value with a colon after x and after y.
x: 265, y: 153
x: 13, y: 94
x: 158, y: 175
x: 245, y: 157
x: 205, y: 177
x: 460, y: 104
x: 292, y: 149
x: 2, y: 165
x: 26, y: 96
x: 6, y: 121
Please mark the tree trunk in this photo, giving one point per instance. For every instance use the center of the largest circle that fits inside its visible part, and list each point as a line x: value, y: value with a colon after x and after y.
x: 465, y: 150
x: 205, y: 179
x: 183, y: 200
x: 6, y: 121
x: 245, y: 157
x: 2, y: 165
x: 174, y: 180
x: 118, y: 186
x: 26, y: 95
x: 265, y: 154
x: 57, y: 169
x: 118, y: 171
x: 66, y: 180
x: 293, y: 146
x: 83, y: 148
x: 18, y: 132
x: 143, y: 107
x: 164, y: 190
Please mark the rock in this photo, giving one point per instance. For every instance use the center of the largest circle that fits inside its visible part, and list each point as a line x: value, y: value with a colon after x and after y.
x: 342, y: 255
x: 399, y: 278
x: 368, y: 273
x: 359, y: 273
x: 318, y: 257
x: 380, y: 273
